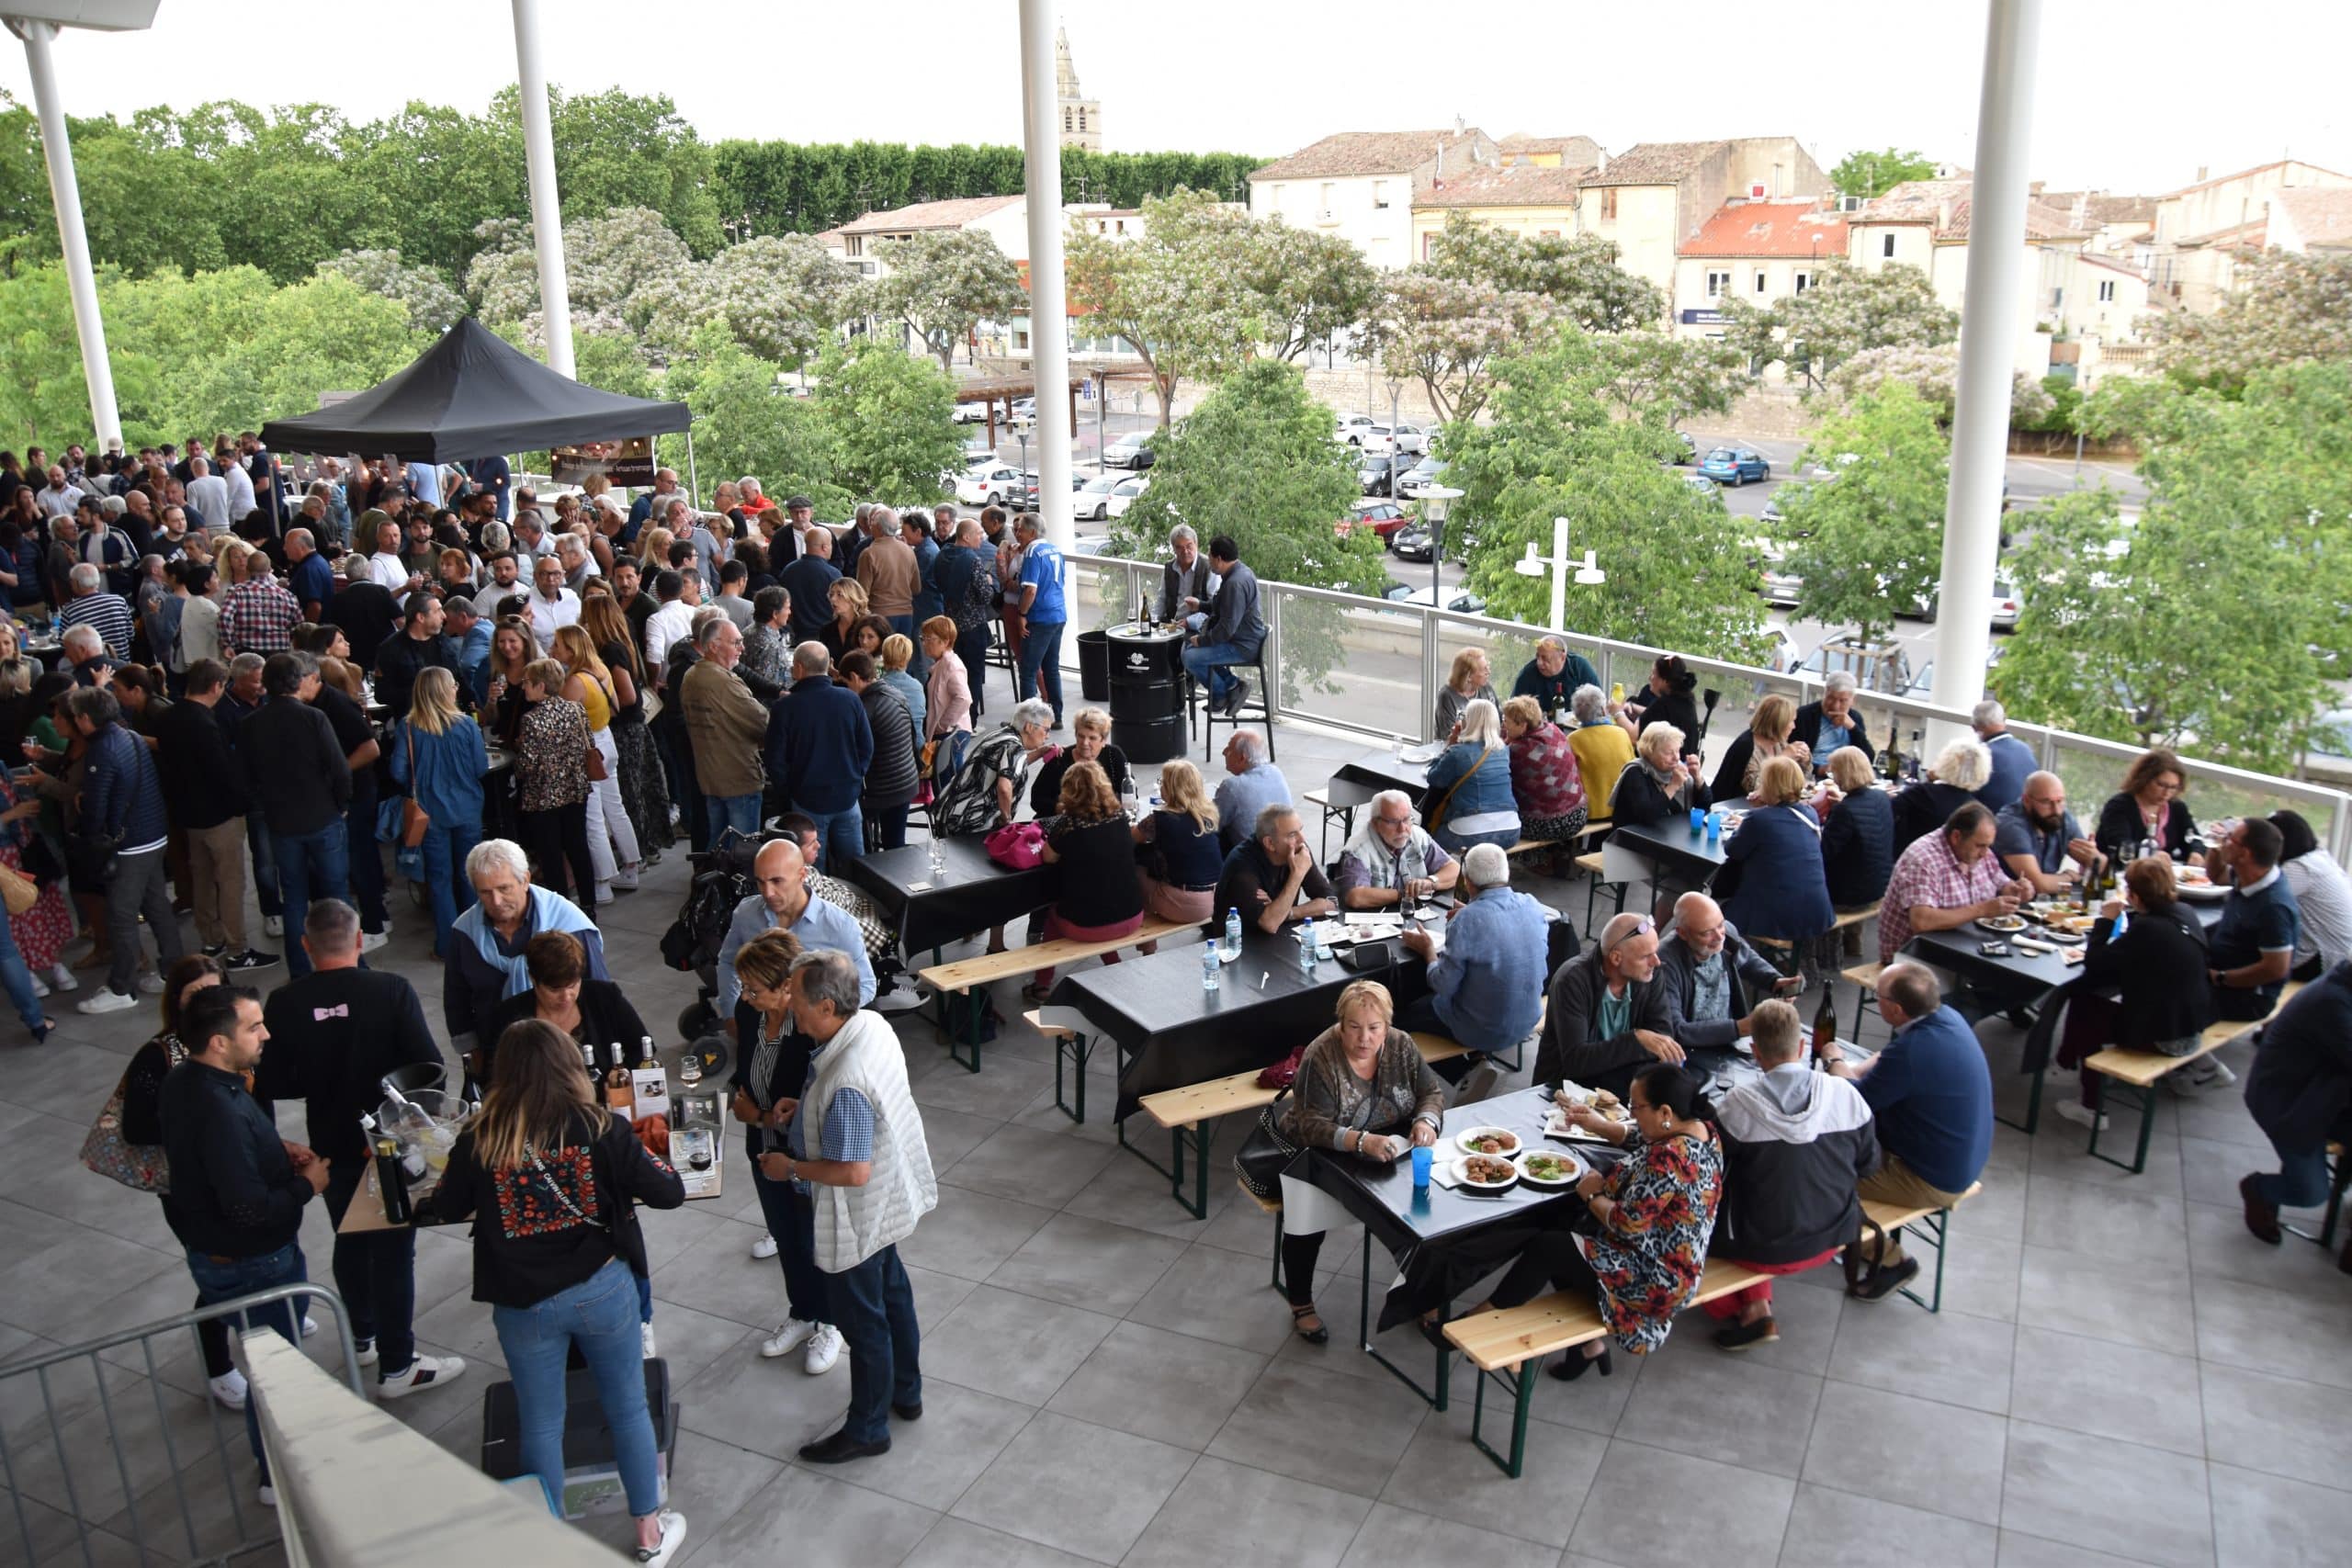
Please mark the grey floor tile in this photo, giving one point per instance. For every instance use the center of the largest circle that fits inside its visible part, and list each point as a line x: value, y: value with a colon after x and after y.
x: 1911, y: 1451
x: 718, y: 1276
x: 1106, y: 1487
x: 769, y: 1407
x: 955, y: 1543
x: 2059, y: 1151
x: 1169, y: 1387
x: 952, y: 1134
x: 1829, y: 1528
x: 2221, y: 1248
x: 2108, y: 1390
x: 2131, y: 1305
x: 1035, y: 1168
x: 1948, y: 1356
x: 970, y: 1233
x: 1442, y: 1474
x: 1227, y: 1513
x: 1997, y: 1214
x: 1397, y: 1538
x: 2285, y: 1427
x: 2020, y: 1551
x: 1719, y: 1513
x: 2222, y: 1118
x: 1086, y: 1263
x: 1128, y: 1192
x: 1014, y: 1347
x: 2211, y: 1168
x: 932, y: 1460
x: 1981, y: 1278
x: 937, y: 1294
x: 1706, y: 1402
x: 1808, y: 1321
x: 108, y: 1275
x: 2107, y: 1495
x: 1591, y: 1403
x: 827, y: 1522
x: 2272, y: 1331
x: 2267, y: 1521
x: 2141, y: 1227
x: 1214, y: 1295
x: 1362, y: 1428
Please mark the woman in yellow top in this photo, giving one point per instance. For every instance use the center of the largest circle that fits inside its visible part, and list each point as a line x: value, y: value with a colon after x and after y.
x: 1602, y: 749
x: 611, y: 839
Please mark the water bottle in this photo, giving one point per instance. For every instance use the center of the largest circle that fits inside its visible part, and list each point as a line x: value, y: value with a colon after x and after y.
x: 1307, y: 949
x: 1208, y: 967
x: 938, y: 860
x: 1232, y: 934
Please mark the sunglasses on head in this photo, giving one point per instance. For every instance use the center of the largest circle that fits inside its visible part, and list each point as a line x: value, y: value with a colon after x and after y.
x: 1640, y: 926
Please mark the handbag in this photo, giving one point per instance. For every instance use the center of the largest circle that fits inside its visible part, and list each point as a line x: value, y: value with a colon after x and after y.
x: 1265, y: 1154
x: 18, y: 891
x: 1282, y: 1074
x: 1019, y: 846
x: 140, y: 1166
x: 414, y: 819
x: 1436, y: 814
x: 597, y: 772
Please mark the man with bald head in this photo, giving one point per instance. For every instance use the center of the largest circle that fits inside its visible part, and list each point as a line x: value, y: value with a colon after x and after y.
x: 2039, y: 840
x: 1713, y: 979
x: 1607, y: 1016
x: 783, y: 903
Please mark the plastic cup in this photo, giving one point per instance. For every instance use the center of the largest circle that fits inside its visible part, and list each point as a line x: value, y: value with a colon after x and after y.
x: 1422, y: 1158
x: 1698, y: 822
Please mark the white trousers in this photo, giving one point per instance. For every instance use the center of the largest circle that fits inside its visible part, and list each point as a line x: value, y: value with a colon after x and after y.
x: 612, y: 841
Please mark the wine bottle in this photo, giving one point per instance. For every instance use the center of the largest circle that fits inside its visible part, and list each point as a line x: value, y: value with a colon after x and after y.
x: 390, y: 1183
x: 1824, y: 1023
x: 646, y: 1060
x: 620, y: 1093
x: 595, y: 1075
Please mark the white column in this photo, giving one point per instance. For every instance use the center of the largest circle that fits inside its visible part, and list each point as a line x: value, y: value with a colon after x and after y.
x: 547, y: 212
x: 1989, y: 314
x: 65, y: 195
x: 1049, y: 306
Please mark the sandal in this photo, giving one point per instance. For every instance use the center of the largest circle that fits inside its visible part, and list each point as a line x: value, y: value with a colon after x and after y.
x: 1318, y: 1335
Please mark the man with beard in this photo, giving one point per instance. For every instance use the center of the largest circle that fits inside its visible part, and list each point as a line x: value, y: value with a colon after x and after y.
x: 2039, y: 840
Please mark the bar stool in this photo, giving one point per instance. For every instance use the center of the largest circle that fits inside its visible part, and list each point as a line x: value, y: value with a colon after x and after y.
x: 1262, y: 700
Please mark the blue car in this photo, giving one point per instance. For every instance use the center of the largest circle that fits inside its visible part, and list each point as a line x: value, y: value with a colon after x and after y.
x: 1736, y: 465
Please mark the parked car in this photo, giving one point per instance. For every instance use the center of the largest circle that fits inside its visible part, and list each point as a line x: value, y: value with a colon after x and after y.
x: 1458, y: 599
x: 1024, y: 412
x: 1385, y: 438
x: 971, y: 414
x: 1410, y: 438
x: 993, y: 484
x: 1123, y: 494
x: 1375, y: 474
x: 2327, y: 753
x: 1130, y: 451
x: 1352, y: 426
x: 1682, y: 449
x: 1706, y: 487
x: 1093, y: 497
x: 978, y: 451
x: 1736, y: 465
x: 1385, y: 518
x: 1419, y: 478
x: 1412, y: 541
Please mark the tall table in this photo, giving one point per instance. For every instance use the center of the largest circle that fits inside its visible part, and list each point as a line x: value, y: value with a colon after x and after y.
x: 1147, y: 691
x: 1356, y: 781
x: 1650, y: 850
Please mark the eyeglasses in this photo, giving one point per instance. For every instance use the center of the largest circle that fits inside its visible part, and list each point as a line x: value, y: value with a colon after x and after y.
x: 1394, y: 822
x: 1641, y: 927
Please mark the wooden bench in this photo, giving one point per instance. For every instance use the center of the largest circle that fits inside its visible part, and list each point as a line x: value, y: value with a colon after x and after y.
x: 1590, y: 863
x: 966, y: 976
x: 2133, y: 1075
x: 1892, y: 1217
x: 1780, y: 950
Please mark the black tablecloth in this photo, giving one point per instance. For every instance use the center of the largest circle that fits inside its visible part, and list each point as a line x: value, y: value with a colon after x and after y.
x: 1376, y: 771
x: 1673, y: 849
x: 973, y: 894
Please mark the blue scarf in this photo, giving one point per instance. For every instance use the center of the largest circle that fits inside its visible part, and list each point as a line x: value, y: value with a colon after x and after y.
x: 547, y: 912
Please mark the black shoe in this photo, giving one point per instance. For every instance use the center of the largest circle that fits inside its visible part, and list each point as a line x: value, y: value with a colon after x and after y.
x: 216, y: 950
x: 1880, y: 1283
x: 1233, y: 704
x: 1318, y: 1335
x: 908, y: 1412
x: 1572, y: 1366
x: 2261, y: 1218
x: 840, y: 1448
x: 252, y: 958
x: 1740, y: 1335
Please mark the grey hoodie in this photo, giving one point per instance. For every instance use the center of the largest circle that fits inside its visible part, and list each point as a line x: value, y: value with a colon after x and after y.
x: 1794, y: 1146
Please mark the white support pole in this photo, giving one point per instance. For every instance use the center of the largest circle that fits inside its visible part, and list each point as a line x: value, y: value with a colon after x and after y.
x: 1048, y: 304
x: 547, y: 210
x: 1989, y: 317
x: 65, y: 195
x: 1559, y: 573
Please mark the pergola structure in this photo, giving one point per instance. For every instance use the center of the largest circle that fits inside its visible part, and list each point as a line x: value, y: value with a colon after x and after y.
x: 994, y: 389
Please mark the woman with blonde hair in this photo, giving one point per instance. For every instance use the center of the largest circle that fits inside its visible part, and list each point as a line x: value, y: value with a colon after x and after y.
x: 1781, y: 891
x: 840, y: 634
x: 1960, y: 769
x: 1659, y: 783
x: 1468, y: 682
x: 591, y: 685
x: 1179, y: 866
x: 653, y: 551
x: 437, y: 752
x: 898, y: 652
x: 1469, y: 799
x: 1090, y: 838
x: 1771, y: 733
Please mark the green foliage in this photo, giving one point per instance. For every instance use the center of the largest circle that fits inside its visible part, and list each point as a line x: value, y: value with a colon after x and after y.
x: 2286, y: 310
x: 43, y: 398
x: 1848, y: 310
x: 433, y: 306
x: 1310, y: 286
x: 2065, y: 407
x: 2221, y: 623
x: 1870, y: 537
x: 1578, y: 277
x: 1178, y: 293
x: 942, y: 284
x: 1867, y: 174
x: 890, y: 420
x: 745, y: 422
x: 1679, y: 576
x: 1665, y: 380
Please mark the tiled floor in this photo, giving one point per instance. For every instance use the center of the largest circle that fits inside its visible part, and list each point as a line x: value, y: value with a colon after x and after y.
x: 2121, y: 1374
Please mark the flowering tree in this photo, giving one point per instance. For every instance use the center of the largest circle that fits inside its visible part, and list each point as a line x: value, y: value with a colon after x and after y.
x: 1578, y: 276
x: 620, y: 267
x: 1311, y: 287
x: 1446, y: 332
x: 433, y: 305
x: 2285, y: 310
x: 780, y: 298
x: 1178, y: 293
x: 1848, y: 310
x: 944, y: 284
x: 1934, y: 374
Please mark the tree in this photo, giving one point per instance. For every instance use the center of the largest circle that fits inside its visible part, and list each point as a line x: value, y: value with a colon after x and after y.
x: 1311, y: 287
x: 433, y: 305
x: 1578, y: 276
x: 1445, y: 333
x: 746, y: 422
x: 621, y: 267
x: 1678, y: 576
x: 43, y: 398
x: 1665, y: 379
x: 1869, y: 536
x: 2218, y: 621
x: 1866, y: 174
x: 942, y: 284
x: 1848, y: 310
x: 1176, y: 292
x: 890, y: 422
x: 783, y: 296
x: 1934, y: 374
x: 2286, y: 310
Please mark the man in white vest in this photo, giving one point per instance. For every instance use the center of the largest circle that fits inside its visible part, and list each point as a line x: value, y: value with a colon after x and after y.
x: 871, y: 1181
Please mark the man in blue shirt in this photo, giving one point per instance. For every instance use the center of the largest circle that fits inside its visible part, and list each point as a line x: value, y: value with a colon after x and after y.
x: 783, y: 903
x: 1045, y: 613
x: 1251, y: 784
x: 493, y: 479
x: 2253, y: 946
x: 2012, y: 758
x: 468, y: 636
x: 818, y: 747
x: 1234, y: 633
x: 310, y: 579
x: 2039, y: 840
x: 425, y: 483
x: 1486, y: 986
x: 1933, y: 1097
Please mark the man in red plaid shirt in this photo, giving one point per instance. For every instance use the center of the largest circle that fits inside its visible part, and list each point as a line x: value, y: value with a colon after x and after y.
x: 258, y: 616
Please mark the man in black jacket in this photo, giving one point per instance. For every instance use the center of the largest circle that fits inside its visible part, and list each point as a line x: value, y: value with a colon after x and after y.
x: 1714, y: 980
x: 297, y: 774
x: 238, y: 1189
x: 204, y: 790
x: 1607, y: 1019
x: 334, y: 1033
x: 417, y: 646
x: 1795, y: 1145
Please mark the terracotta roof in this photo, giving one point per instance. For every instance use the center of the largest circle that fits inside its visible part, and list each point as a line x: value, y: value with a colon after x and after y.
x: 2323, y: 214
x: 1582, y: 148
x: 1655, y: 162
x: 2112, y: 265
x: 1946, y: 205
x: 2242, y: 174
x: 1365, y: 152
x: 2100, y: 208
x: 1514, y: 185
x: 1768, y: 228
x: 951, y: 214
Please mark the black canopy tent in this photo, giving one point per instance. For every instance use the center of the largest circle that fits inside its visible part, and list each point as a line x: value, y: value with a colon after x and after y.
x: 473, y: 395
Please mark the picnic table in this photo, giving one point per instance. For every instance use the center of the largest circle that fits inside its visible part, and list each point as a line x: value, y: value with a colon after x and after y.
x: 973, y: 893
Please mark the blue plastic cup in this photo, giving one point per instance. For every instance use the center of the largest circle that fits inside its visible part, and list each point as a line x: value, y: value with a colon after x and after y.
x: 1422, y: 1157
x: 1714, y: 827
x: 1698, y: 822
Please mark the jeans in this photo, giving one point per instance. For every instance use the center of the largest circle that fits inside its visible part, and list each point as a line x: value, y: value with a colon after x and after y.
x: 599, y: 1314
x: 138, y: 888
x: 1455, y: 843
x: 224, y: 1279
x: 890, y: 824
x: 1206, y: 664
x: 1041, y: 663
x: 874, y: 1307
x: 365, y: 856
x: 2302, y: 1181
x: 309, y: 866
x: 841, y: 837
x: 265, y: 857
x: 792, y: 1220
x: 972, y: 651
x: 17, y: 981
x: 446, y: 846
x: 375, y: 1272
x: 740, y: 812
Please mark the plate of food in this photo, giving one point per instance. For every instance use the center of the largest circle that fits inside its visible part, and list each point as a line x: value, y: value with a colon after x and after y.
x: 2073, y: 925
x: 1485, y: 1173
x: 2193, y: 883
x: 2003, y: 923
x: 1549, y: 1168
x: 1488, y: 1141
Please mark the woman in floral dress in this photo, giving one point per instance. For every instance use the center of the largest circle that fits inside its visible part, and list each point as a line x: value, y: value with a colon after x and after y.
x: 551, y: 779
x: 41, y: 931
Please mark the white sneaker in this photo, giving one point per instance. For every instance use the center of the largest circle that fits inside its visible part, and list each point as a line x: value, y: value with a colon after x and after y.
x: 674, y: 1535
x: 151, y: 984
x: 62, y: 978
x: 899, y: 997
x: 626, y: 880
x: 603, y: 893
x: 425, y: 1371
x: 824, y: 1349
x: 645, y: 1338
x: 764, y: 1246
x: 39, y: 987
x: 229, y: 1389
x: 2221, y: 1076
x: 273, y: 925
x: 371, y: 941
x: 2081, y: 1115
x: 107, y: 1000
x: 364, y: 1350
x: 268, y: 1496
x: 309, y: 1325
x: 785, y: 1338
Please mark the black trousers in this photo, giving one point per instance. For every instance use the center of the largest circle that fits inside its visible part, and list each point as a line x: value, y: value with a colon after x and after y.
x: 558, y: 837
x: 1553, y: 1261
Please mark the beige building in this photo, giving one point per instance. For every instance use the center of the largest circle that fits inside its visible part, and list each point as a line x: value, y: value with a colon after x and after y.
x: 1363, y: 185
x: 1759, y: 251
x: 1081, y: 116
x: 1656, y: 196
x: 2202, y: 229
x: 1551, y: 151
x: 1532, y: 201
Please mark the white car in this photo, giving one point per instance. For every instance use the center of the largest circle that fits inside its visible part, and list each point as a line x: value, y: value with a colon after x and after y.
x: 991, y: 485
x: 1093, y: 497
x: 1123, y: 495
x: 971, y: 414
x: 1352, y: 426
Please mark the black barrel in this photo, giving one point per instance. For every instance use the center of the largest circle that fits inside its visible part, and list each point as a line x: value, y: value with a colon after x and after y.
x: 1148, y: 692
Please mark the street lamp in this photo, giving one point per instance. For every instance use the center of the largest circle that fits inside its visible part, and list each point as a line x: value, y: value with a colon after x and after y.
x: 1589, y: 574
x: 1434, y: 503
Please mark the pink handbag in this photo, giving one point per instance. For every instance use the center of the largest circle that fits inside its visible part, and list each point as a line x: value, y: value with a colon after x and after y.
x: 1018, y: 845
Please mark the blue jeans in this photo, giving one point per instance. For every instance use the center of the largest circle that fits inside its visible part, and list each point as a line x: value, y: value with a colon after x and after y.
x: 890, y: 823
x: 446, y: 846
x: 740, y: 812
x: 375, y: 1271
x: 792, y: 1219
x: 1041, y: 661
x: 2302, y: 1181
x: 309, y: 866
x: 264, y: 858
x: 1455, y: 843
x: 1206, y: 664
x: 841, y: 837
x: 874, y: 1307
x: 599, y: 1314
x: 17, y: 979
x: 224, y: 1279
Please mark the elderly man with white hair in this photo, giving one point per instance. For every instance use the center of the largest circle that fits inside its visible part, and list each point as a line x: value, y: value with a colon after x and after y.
x: 1487, y: 982
x: 1714, y: 981
x: 1186, y: 584
x: 1831, y: 722
x: 2012, y: 759
x: 1251, y: 784
x: 93, y: 606
x: 1391, y: 859
x: 483, y: 963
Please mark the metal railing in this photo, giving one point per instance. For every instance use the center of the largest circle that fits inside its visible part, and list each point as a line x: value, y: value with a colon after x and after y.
x: 1385, y: 663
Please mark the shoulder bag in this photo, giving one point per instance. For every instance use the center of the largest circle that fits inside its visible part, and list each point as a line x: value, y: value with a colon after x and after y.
x: 1434, y: 815
x: 1266, y: 1154
x: 17, y: 891
x: 140, y: 1166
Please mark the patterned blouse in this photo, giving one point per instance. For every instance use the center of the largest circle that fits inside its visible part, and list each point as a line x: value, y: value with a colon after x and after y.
x: 551, y: 760
x: 1543, y: 775
x: 1653, y: 1246
x: 1330, y: 1104
x: 767, y: 655
x: 968, y: 805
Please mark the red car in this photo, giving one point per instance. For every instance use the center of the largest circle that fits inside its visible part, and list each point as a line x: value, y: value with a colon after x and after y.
x: 1382, y: 517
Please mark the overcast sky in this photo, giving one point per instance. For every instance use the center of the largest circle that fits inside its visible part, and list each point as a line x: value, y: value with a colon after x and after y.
x: 2131, y: 98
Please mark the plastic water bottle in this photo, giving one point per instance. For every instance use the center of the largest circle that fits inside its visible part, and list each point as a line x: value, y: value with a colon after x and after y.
x: 1232, y: 934
x: 1307, y: 949
x: 938, y: 860
x: 1208, y: 967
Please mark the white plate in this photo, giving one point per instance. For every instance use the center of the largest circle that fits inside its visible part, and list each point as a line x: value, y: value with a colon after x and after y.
x: 1575, y: 1172
x: 1462, y: 1175
x: 2202, y: 890
x: 1558, y: 1125
x: 1463, y: 1140
x: 2002, y: 924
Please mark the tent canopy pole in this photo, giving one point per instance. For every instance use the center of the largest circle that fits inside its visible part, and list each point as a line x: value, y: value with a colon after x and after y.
x: 694, y: 485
